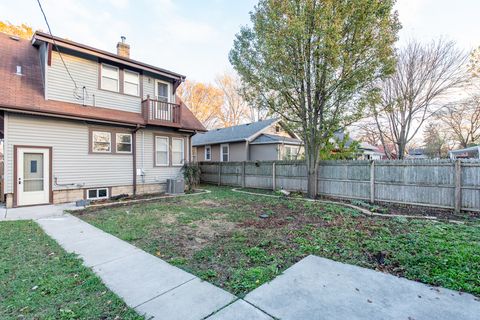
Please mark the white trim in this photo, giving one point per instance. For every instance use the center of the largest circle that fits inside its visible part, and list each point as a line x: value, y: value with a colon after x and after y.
x: 156, y: 150
x: 118, y: 77
x: 116, y: 142
x: 221, y: 152
x: 169, y: 89
x: 182, y: 160
x: 205, y: 151
x: 97, y: 197
x: 93, y: 142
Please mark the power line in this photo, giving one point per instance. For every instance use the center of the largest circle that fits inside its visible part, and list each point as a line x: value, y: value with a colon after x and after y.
x: 58, y: 49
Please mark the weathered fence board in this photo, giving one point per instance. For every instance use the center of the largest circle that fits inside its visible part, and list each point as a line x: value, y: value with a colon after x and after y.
x: 435, y: 183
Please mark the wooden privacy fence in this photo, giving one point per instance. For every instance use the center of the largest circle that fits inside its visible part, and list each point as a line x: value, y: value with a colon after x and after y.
x: 434, y: 183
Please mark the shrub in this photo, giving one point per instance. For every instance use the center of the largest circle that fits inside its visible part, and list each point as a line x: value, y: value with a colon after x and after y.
x: 191, y: 174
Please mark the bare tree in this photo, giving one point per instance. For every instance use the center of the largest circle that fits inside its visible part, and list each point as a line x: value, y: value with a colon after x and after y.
x: 462, y: 121
x: 425, y: 74
x: 235, y: 109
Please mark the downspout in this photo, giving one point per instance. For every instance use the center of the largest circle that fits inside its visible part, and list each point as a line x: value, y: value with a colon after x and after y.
x: 134, y: 158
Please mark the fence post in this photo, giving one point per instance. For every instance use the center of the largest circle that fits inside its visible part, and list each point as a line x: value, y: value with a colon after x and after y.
x: 372, y: 181
x: 243, y: 174
x: 458, y: 186
x: 219, y: 173
x: 274, y: 176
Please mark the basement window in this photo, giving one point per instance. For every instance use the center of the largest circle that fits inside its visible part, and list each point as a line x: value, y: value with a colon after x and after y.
x: 100, y: 193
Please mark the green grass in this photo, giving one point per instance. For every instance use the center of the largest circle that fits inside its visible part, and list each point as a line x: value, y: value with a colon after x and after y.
x: 220, y: 237
x: 38, y: 280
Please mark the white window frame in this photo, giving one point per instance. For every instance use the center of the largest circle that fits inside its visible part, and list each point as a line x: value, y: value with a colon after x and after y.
x: 182, y: 158
x: 209, y: 148
x: 117, y: 142
x: 169, y: 89
x: 93, y: 141
x: 97, y: 197
x: 221, y: 152
x: 125, y: 71
x: 102, y: 76
x: 168, y: 152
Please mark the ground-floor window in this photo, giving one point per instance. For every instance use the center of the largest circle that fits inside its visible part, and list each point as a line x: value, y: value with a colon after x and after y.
x: 100, y: 193
x: 177, y: 151
x: 291, y: 153
x: 161, y: 151
x: 208, y: 153
x: 225, y: 152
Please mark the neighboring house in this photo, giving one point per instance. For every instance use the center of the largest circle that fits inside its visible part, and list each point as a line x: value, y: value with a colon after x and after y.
x: 118, y: 129
x: 416, y: 153
x: 262, y: 140
x: 465, y: 153
x: 369, y: 152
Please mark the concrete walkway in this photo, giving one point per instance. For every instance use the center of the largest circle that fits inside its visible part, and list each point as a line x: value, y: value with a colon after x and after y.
x: 318, y: 288
x: 148, y: 284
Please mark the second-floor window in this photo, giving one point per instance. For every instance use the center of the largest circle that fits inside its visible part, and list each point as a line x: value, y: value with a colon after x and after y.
x: 163, y: 91
x: 131, y: 83
x: 110, y: 78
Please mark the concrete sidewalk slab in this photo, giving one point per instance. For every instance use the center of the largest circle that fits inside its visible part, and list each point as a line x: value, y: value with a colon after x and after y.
x: 93, y: 245
x: 36, y: 212
x: 149, y: 277
x: 193, y: 300
x: 318, y: 288
x: 240, y: 310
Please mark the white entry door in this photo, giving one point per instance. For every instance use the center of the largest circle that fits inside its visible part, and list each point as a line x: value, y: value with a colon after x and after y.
x: 33, y: 176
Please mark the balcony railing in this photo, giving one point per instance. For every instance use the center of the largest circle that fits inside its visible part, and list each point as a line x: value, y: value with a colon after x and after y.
x: 161, y: 112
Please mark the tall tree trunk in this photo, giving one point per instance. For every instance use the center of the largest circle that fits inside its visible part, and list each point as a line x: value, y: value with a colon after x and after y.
x: 312, y: 181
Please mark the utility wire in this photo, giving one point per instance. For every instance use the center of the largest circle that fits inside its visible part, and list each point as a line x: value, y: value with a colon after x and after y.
x: 58, y: 49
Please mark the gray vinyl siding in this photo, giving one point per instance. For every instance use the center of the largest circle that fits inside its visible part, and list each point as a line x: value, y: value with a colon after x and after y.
x: 85, y: 73
x: 259, y: 152
x: 71, y: 161
x: 43, y: 62
x: 146, y: 158
x: 238, y: 151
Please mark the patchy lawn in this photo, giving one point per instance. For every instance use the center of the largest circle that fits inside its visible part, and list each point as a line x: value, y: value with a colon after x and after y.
x: 38, y: 280
x: 220, y: 237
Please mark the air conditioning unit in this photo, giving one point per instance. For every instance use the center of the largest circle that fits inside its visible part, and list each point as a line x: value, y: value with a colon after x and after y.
x: 175, y: 186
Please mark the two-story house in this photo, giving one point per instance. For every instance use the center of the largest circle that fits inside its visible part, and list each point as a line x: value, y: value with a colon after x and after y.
x: 83, y: 123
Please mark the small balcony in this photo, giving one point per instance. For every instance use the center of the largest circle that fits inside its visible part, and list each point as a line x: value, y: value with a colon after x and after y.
x: 162, y: 113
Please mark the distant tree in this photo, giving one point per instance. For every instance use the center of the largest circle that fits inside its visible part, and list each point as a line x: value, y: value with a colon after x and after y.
x: 204, y: 100
x: 235, y: 109
x: 435, y: 141
x: 462, y: 121
x: 424, y: 75
x: 23, y: 30
x: 315, y: 62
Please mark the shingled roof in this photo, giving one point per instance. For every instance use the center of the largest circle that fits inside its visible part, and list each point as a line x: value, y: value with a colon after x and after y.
x: 244, y: 132
x: 25, y: 93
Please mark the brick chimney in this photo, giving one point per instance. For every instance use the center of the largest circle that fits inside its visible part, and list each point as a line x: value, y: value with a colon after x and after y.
x: 123, y: 49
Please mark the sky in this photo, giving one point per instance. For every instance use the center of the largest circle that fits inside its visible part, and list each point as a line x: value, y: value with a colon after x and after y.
x: 193, y: 37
